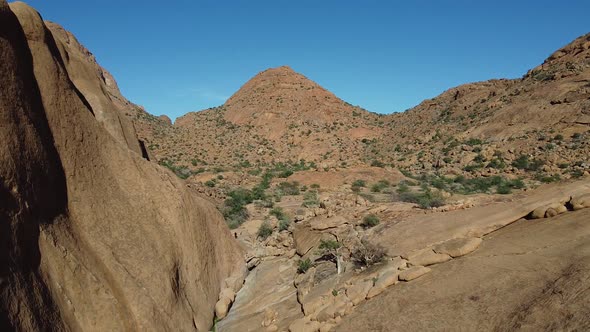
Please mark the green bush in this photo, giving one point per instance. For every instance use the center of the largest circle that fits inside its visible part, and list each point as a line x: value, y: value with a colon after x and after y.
x: 284, y: 224
x: 181, y: 171
x: 265, y: 230
x: 474, y: 141
x: 210, y: 183
x: 379, y: 186
x: 503, y: 189
x: 289, y: 188
x: 479, y: 158
x: 329, y: 245
x: 524, y: 163
x: 359, y: 183
x: 285, y: 174
x: 278, y: 213
x: 547, y: 178
x: 402, y: 187
x: 377, y: 163
x: 425, y: 199
x: 496, y: 163
x: 370, y: 220
x: 234, y: 211
x: 304, y: 265
x: 472, y: 167
x: 310, y: 199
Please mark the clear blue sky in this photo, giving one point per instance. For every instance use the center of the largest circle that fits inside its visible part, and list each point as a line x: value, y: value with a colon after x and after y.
x: 175, y: 57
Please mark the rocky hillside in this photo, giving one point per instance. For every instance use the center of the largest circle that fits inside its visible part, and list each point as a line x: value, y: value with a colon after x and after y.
x: 536, y: 127
x: 93, y: 236
x: 501, y: 126
x: 279, y: 115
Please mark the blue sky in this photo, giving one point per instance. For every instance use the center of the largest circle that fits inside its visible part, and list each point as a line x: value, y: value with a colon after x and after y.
x: 174, y: 57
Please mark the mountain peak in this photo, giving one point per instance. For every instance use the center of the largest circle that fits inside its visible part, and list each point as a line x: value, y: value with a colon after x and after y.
x: 282, y: 93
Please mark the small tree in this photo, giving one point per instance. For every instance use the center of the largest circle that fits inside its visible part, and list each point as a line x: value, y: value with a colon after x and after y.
x: 330, y: 249
x: 303, y: 266
x: 368, y: 254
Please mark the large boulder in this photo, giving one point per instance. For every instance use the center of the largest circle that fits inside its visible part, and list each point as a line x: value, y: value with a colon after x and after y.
x: 93, y: 237
x: 580, y: 202
x: 458, y: 247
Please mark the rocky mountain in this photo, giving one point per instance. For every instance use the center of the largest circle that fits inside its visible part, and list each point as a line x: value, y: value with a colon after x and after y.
x: 476, y: 129
x: 277, y: 116
x: 93, y: 236
x: 543, y: 116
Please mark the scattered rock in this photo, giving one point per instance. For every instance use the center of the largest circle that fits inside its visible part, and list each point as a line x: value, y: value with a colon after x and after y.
x: 304, y: 325
x: 548, y: 211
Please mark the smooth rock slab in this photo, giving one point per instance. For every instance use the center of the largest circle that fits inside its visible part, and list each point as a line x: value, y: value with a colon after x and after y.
x: 358, y: 292
x: 269, y: 289
x: 458, y: 247
x: 323, y: 222
x: 386, y: 279
x: 425, y: 257
x: 413, y: 273
x: 305, y: 238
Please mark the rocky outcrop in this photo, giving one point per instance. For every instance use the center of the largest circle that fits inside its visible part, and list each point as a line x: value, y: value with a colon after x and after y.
x: 96, y: 85
x: 529, y: 276
x: 93, y: 237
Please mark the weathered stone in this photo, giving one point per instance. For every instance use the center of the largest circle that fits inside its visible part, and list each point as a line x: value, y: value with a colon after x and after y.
x: 580, y: 202
x: 327, y: 327
x: 270, y: 317
x: 413, y: 273
x: 304, y: 325
x: 425, y: 257
x: 458, y: 247
x: 335, y: 308
x: 221, y: 307
x: 228, y: 293
x: 548, y: 211
x: 305, y: 238
x: 326, y: 222
x: 358, y: 291
x: 386, y: 279
x: 396, y: 263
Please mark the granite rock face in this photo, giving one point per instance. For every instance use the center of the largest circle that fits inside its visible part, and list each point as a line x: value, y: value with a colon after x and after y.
x: 93, y: 236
